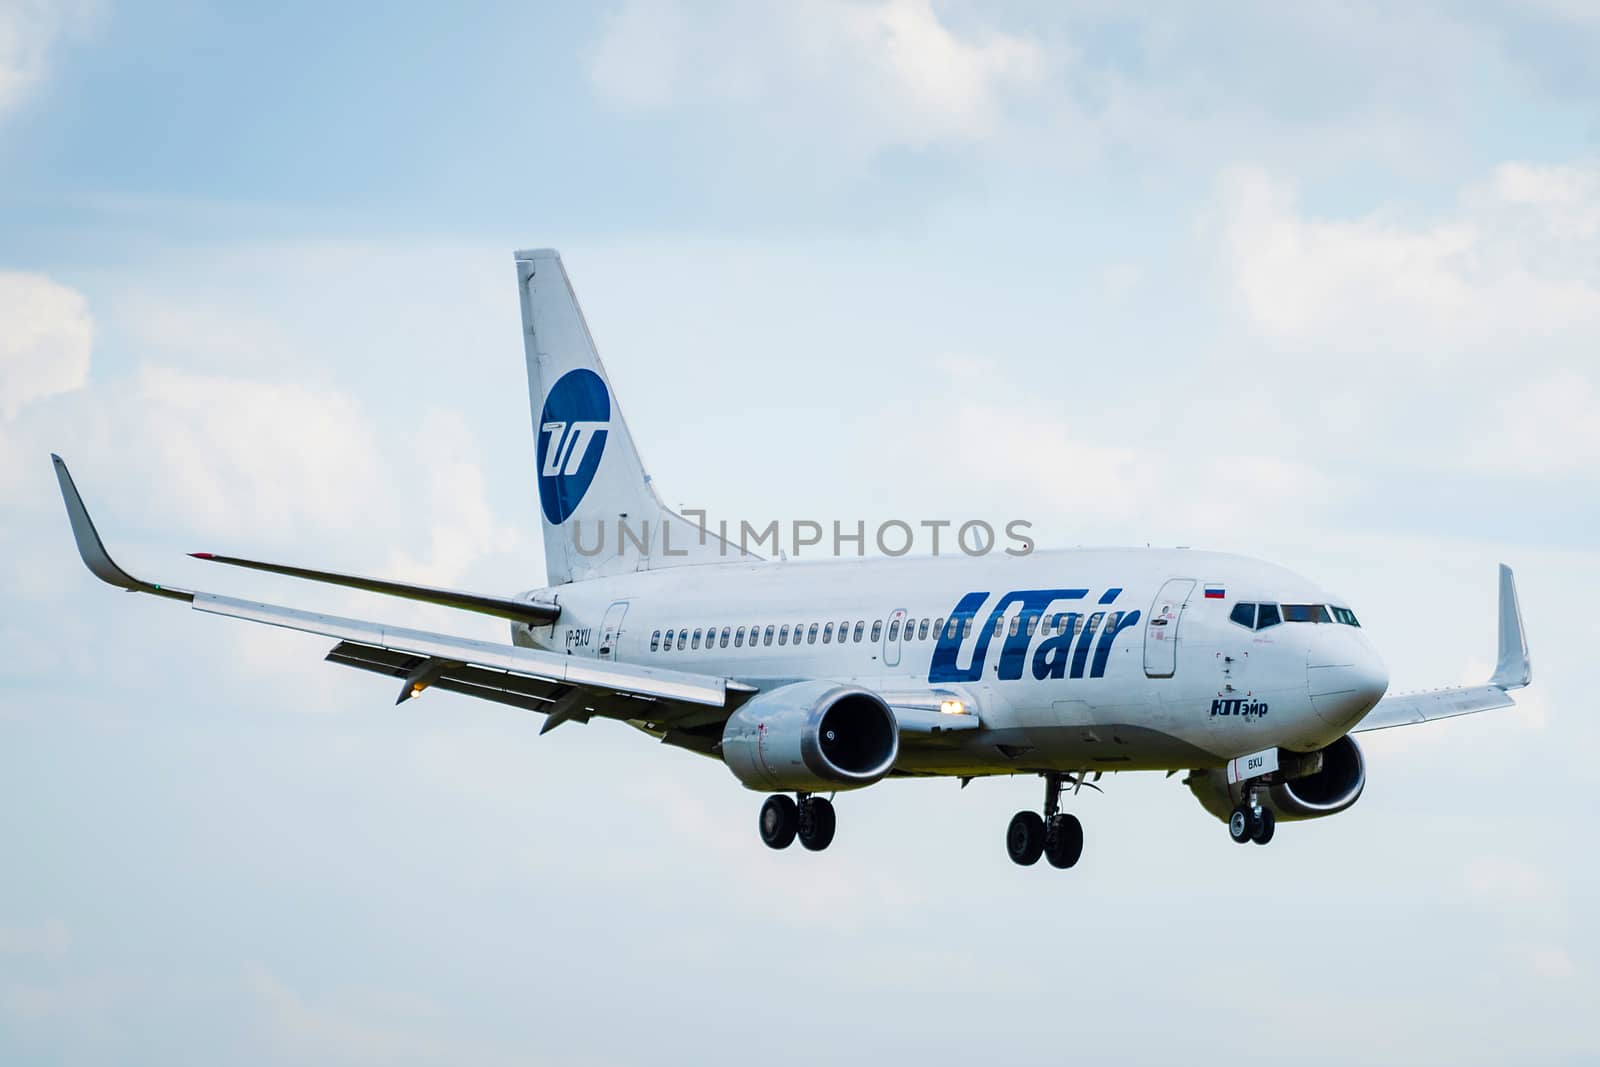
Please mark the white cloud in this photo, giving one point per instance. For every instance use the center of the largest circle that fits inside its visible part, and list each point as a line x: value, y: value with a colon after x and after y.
x: 45, y: 340
x: 1502, y: 879
x: 29, y: 30
x: 243, y: 457
x: 50, y: 939
x: 888, y: 73
x: 464, y: 528
x: 1512, y: 270
x: 1552, y: 962
x: 636, y: 60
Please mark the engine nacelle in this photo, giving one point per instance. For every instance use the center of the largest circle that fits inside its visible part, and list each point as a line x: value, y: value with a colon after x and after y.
x: 810, y: 737
x: 1308, y: 786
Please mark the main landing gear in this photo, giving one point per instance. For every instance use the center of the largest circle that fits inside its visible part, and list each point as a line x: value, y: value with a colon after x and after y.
x: 809, y: 818
x: 1056, y: 836
x: 1251, y: 822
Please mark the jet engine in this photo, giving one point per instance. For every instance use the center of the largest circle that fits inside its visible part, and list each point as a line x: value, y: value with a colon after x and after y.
x: 1305, y: 786
x: 811, y: 737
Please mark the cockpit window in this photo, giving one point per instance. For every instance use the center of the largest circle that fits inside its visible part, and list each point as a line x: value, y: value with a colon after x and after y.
x: 1268, y: 616
x: 1244, y: 615
x: 1306, y: 613
x: 1344, y: 616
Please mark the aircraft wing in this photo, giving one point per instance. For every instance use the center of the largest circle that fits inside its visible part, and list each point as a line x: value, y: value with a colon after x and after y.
x: 1513, y: 670
x: 562, y: 687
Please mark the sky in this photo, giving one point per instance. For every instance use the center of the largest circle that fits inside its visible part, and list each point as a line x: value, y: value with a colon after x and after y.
x: 1320, y: 285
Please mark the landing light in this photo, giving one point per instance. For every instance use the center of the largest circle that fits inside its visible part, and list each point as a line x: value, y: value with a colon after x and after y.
x: 952, y: 707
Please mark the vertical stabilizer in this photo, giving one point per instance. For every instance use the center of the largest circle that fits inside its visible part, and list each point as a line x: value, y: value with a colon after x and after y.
x: 601, y: 516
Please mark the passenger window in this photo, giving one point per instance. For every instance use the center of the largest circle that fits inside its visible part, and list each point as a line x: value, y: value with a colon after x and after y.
x: 738, y: 638
x: 1033, y: 621
x: 766, y: 639
x: 1015, y: 621
x: 827, y: 633
x: 694, y: 642
x: 966, y: 626
x: 1112, y: 620
x: 655, y: 641
x: 1244, y: 615
x: 894, y: 630
x: 939, y: 630
x: 1093, y: 625
x: 723, y: 643
x: 1267, y: 616
x: 860, y: 626
x: 683, y: 639
x: 811, y: 635
x: 783, y: 635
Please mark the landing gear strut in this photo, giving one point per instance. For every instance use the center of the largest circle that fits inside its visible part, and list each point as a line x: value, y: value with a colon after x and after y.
x: 1251, y: 822
x: 809, y: 818
x: 1056, y: 836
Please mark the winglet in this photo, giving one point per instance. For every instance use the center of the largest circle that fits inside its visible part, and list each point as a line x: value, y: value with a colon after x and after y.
x: 93, y: 550
x: 1514, y: 669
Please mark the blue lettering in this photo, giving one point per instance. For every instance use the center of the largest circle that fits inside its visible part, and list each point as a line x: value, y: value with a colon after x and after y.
x: 1103, y: 653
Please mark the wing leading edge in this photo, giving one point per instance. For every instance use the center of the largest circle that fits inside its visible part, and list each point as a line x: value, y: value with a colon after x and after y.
x: 1513, y: 670
x: 562, y: 687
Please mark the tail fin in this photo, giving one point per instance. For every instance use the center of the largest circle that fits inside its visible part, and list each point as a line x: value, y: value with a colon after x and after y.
x: 601, y: 515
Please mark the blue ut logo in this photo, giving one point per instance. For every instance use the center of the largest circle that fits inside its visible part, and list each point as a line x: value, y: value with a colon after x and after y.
x: 572, y: 437
x: 1068, y: 639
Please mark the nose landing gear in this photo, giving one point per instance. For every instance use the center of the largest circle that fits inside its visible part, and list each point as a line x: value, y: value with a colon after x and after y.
x: 1251, y: 822
x: 1056, y: 836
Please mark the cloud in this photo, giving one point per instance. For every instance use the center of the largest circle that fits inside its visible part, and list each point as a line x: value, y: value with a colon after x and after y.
x: 45, y: 342
x: 881, y: 74
x: 246, y: 457
x: 1500, y: 879
x: 29, y: 31
x: 1513, y: 268
x: 464, y: 528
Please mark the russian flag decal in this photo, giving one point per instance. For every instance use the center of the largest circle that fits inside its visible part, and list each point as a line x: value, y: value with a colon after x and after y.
x: 1215, y: 591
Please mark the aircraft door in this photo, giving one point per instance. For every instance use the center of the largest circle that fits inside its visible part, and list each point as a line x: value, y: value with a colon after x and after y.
x: 891, y: 645
x: 1161, y: 631
x: 611, y: 630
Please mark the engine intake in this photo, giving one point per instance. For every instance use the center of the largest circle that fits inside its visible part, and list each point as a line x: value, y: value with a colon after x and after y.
x: 811, y: 736
x: 1309, y: 786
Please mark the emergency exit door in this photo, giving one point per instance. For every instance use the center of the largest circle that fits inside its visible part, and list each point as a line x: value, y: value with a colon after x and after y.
x: 1161, y: 631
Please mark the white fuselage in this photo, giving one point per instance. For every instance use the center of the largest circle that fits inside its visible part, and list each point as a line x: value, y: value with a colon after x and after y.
x: 1098, y: 659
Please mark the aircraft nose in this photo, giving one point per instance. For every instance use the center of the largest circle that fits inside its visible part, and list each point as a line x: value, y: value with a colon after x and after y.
x: 1345, y: 676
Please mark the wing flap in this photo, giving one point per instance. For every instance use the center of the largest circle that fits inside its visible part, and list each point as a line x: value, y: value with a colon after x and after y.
x: 614, y: 678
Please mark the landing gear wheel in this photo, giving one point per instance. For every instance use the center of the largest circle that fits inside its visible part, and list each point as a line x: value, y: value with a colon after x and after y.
x: 1240, y: 825
x: 1269, y: 822
x: 1025, y: 838
x: 1063, y: 841
x: 817, y: 823
x: 780, y: 819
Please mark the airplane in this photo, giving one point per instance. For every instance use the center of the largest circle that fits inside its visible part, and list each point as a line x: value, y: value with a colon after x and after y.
x: 807, y: 679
